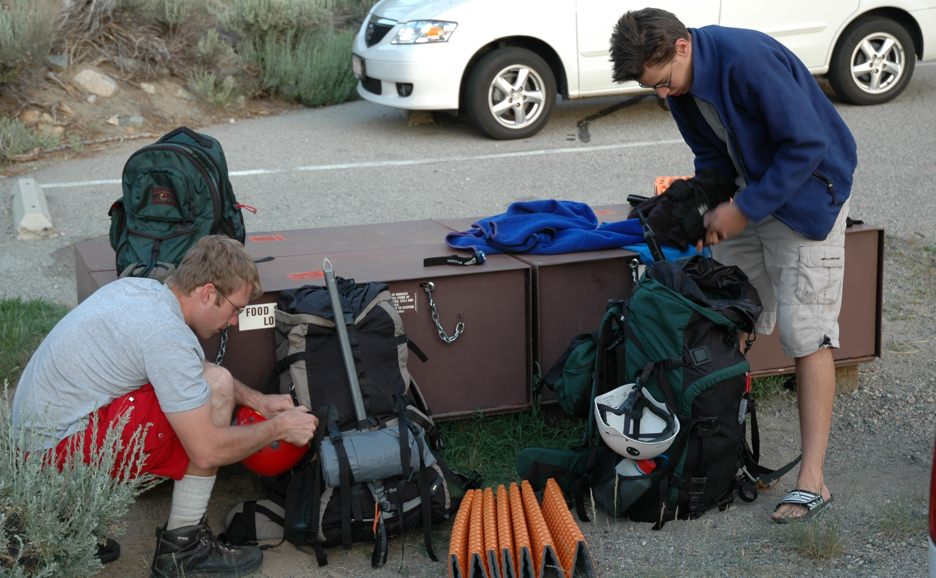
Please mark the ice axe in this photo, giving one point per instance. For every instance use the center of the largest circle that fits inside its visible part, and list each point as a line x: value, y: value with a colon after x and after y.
x: 342, y: 320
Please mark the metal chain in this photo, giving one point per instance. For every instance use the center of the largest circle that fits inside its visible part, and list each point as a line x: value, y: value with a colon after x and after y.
x: 459, y: 326
x: 222, y: 347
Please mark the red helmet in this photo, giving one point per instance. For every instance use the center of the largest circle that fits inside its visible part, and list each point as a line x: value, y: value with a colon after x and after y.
x: 273, y: 459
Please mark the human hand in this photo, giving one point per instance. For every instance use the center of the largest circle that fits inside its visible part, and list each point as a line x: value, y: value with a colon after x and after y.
x: 723, y: 222
x: 272, y: 404
x: 296, y: 425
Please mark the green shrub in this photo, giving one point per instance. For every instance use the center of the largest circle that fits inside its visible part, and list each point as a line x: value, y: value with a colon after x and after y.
x: 314, y: 69
x: 28, y: 29
x: 15, y: 139
x: 23, y: 325
x: 171, y: 14
x: 52, y: 520
x: 820, y: 539
x: 207, y: 87
x: 270, y: 20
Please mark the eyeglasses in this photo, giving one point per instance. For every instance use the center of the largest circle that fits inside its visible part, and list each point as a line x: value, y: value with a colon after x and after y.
x: 237, y: 309
x: 663, y: 83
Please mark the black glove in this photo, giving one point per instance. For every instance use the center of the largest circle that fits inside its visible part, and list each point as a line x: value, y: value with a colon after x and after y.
x: 678, y: 220
x: 658, y: 211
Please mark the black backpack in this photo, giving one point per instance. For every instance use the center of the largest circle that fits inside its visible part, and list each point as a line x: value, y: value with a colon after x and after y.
x: 175, y: 191
x: 330, y: 497
x: 681, y: 332
x: 678, y: 334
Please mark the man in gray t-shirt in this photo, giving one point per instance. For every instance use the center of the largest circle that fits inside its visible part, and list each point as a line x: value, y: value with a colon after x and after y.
x: 134, y: 344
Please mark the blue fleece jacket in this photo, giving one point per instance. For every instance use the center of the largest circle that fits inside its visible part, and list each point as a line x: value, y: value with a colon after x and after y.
x: 797, y: 154
x: 546, y: 227
x: 551, y: 227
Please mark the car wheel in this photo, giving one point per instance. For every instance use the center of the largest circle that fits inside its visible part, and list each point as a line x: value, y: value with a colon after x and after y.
x: 872, y: 62
x: 510, y: 93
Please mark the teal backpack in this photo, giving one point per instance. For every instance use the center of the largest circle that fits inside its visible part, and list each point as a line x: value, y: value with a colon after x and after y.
x: 175, y: 191
x: 570, y: 377
x: 682, y: 328
x: 678, y: 335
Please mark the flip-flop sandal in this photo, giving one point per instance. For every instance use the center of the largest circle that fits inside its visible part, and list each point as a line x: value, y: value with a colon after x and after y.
x: 813, y: 502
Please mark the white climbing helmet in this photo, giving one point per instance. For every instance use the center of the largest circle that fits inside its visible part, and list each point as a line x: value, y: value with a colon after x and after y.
x: 633, y: 423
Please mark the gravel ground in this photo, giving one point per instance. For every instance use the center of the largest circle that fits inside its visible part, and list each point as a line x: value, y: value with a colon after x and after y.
x: 877, y: 468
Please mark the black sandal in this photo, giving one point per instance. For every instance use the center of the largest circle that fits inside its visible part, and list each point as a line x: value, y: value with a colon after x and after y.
x: 814, y: 503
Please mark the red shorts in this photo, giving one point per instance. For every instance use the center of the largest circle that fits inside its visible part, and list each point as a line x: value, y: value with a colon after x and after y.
x: 165, y: 455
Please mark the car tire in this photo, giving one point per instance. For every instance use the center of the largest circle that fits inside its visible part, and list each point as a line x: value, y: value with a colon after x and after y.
x: 510, y: 93
x: 872, y: 62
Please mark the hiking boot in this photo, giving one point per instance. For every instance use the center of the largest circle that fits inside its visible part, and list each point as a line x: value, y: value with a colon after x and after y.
x: 195, y: 551
x: 108, y: 550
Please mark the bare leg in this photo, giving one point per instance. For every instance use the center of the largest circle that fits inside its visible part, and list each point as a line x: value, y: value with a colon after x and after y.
x: 815, y: 392
x: 221, y: 384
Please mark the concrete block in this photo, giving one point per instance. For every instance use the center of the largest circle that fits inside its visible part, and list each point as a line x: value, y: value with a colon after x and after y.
x: 30, y: 212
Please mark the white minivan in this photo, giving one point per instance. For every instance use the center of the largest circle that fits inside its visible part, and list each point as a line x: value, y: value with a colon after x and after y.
x: 502, y: 62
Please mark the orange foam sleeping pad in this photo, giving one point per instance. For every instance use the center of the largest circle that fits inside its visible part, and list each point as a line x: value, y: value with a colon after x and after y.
x: 660, y: 184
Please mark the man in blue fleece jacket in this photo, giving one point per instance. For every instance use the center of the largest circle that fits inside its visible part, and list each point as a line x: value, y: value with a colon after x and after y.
x: 749, y: 109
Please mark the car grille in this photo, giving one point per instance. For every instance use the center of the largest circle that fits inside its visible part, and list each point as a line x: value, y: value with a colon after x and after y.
x: 377, y: 28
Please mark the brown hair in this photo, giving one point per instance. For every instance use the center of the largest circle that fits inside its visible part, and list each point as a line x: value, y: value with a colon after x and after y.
x: 644, y: 38
x: 220, y: 260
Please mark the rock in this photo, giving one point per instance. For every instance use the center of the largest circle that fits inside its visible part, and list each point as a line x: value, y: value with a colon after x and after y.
x: 95, y: 82
x: 66, y: 110
x: 125, y: 121
x: 92, y: 99
x: 419, y: 117
x: 183, y: 94
x: 50, y: 130
x: 29, y: 117
x: 46, y: 118
x: 127, y: 64
x: 57, y: 62
x: 148, y: 87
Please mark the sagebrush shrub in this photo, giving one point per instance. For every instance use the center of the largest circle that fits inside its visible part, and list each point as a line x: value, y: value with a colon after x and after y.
x: 52, y: 520
x: 28, y: 30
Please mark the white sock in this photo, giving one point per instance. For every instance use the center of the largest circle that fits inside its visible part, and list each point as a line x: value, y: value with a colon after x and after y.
x: 189, y: 501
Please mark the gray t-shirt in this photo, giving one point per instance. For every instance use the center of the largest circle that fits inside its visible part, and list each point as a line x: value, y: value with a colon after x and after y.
x: 128, y: 333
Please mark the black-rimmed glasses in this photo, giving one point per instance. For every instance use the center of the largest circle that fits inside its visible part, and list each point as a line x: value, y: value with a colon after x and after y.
x: 663, y: 83
x: 237, y: 309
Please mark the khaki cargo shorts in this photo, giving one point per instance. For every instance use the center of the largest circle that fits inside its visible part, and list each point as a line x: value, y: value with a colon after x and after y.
x: 799, y: 281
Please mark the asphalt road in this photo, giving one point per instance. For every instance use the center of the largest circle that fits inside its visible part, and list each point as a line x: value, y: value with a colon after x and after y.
x: 363, y: 163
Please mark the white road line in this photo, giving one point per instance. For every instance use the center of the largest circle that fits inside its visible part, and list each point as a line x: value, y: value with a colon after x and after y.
x: 399, y: 163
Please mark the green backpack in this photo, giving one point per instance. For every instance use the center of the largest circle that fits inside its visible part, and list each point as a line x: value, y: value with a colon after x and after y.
x: 682, y: 327
x: 175, y: 191
x: 570, y: 377
x: 576, y: 378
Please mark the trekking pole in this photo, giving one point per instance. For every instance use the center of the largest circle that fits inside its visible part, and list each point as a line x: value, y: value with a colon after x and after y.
x: 341, y: 323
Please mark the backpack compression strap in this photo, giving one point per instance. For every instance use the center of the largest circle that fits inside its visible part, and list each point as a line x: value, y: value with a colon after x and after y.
x: 303, y: 503
x: 344, y: 476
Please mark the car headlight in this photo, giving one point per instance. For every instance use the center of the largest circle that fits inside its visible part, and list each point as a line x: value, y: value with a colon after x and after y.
x: 424, y: 32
